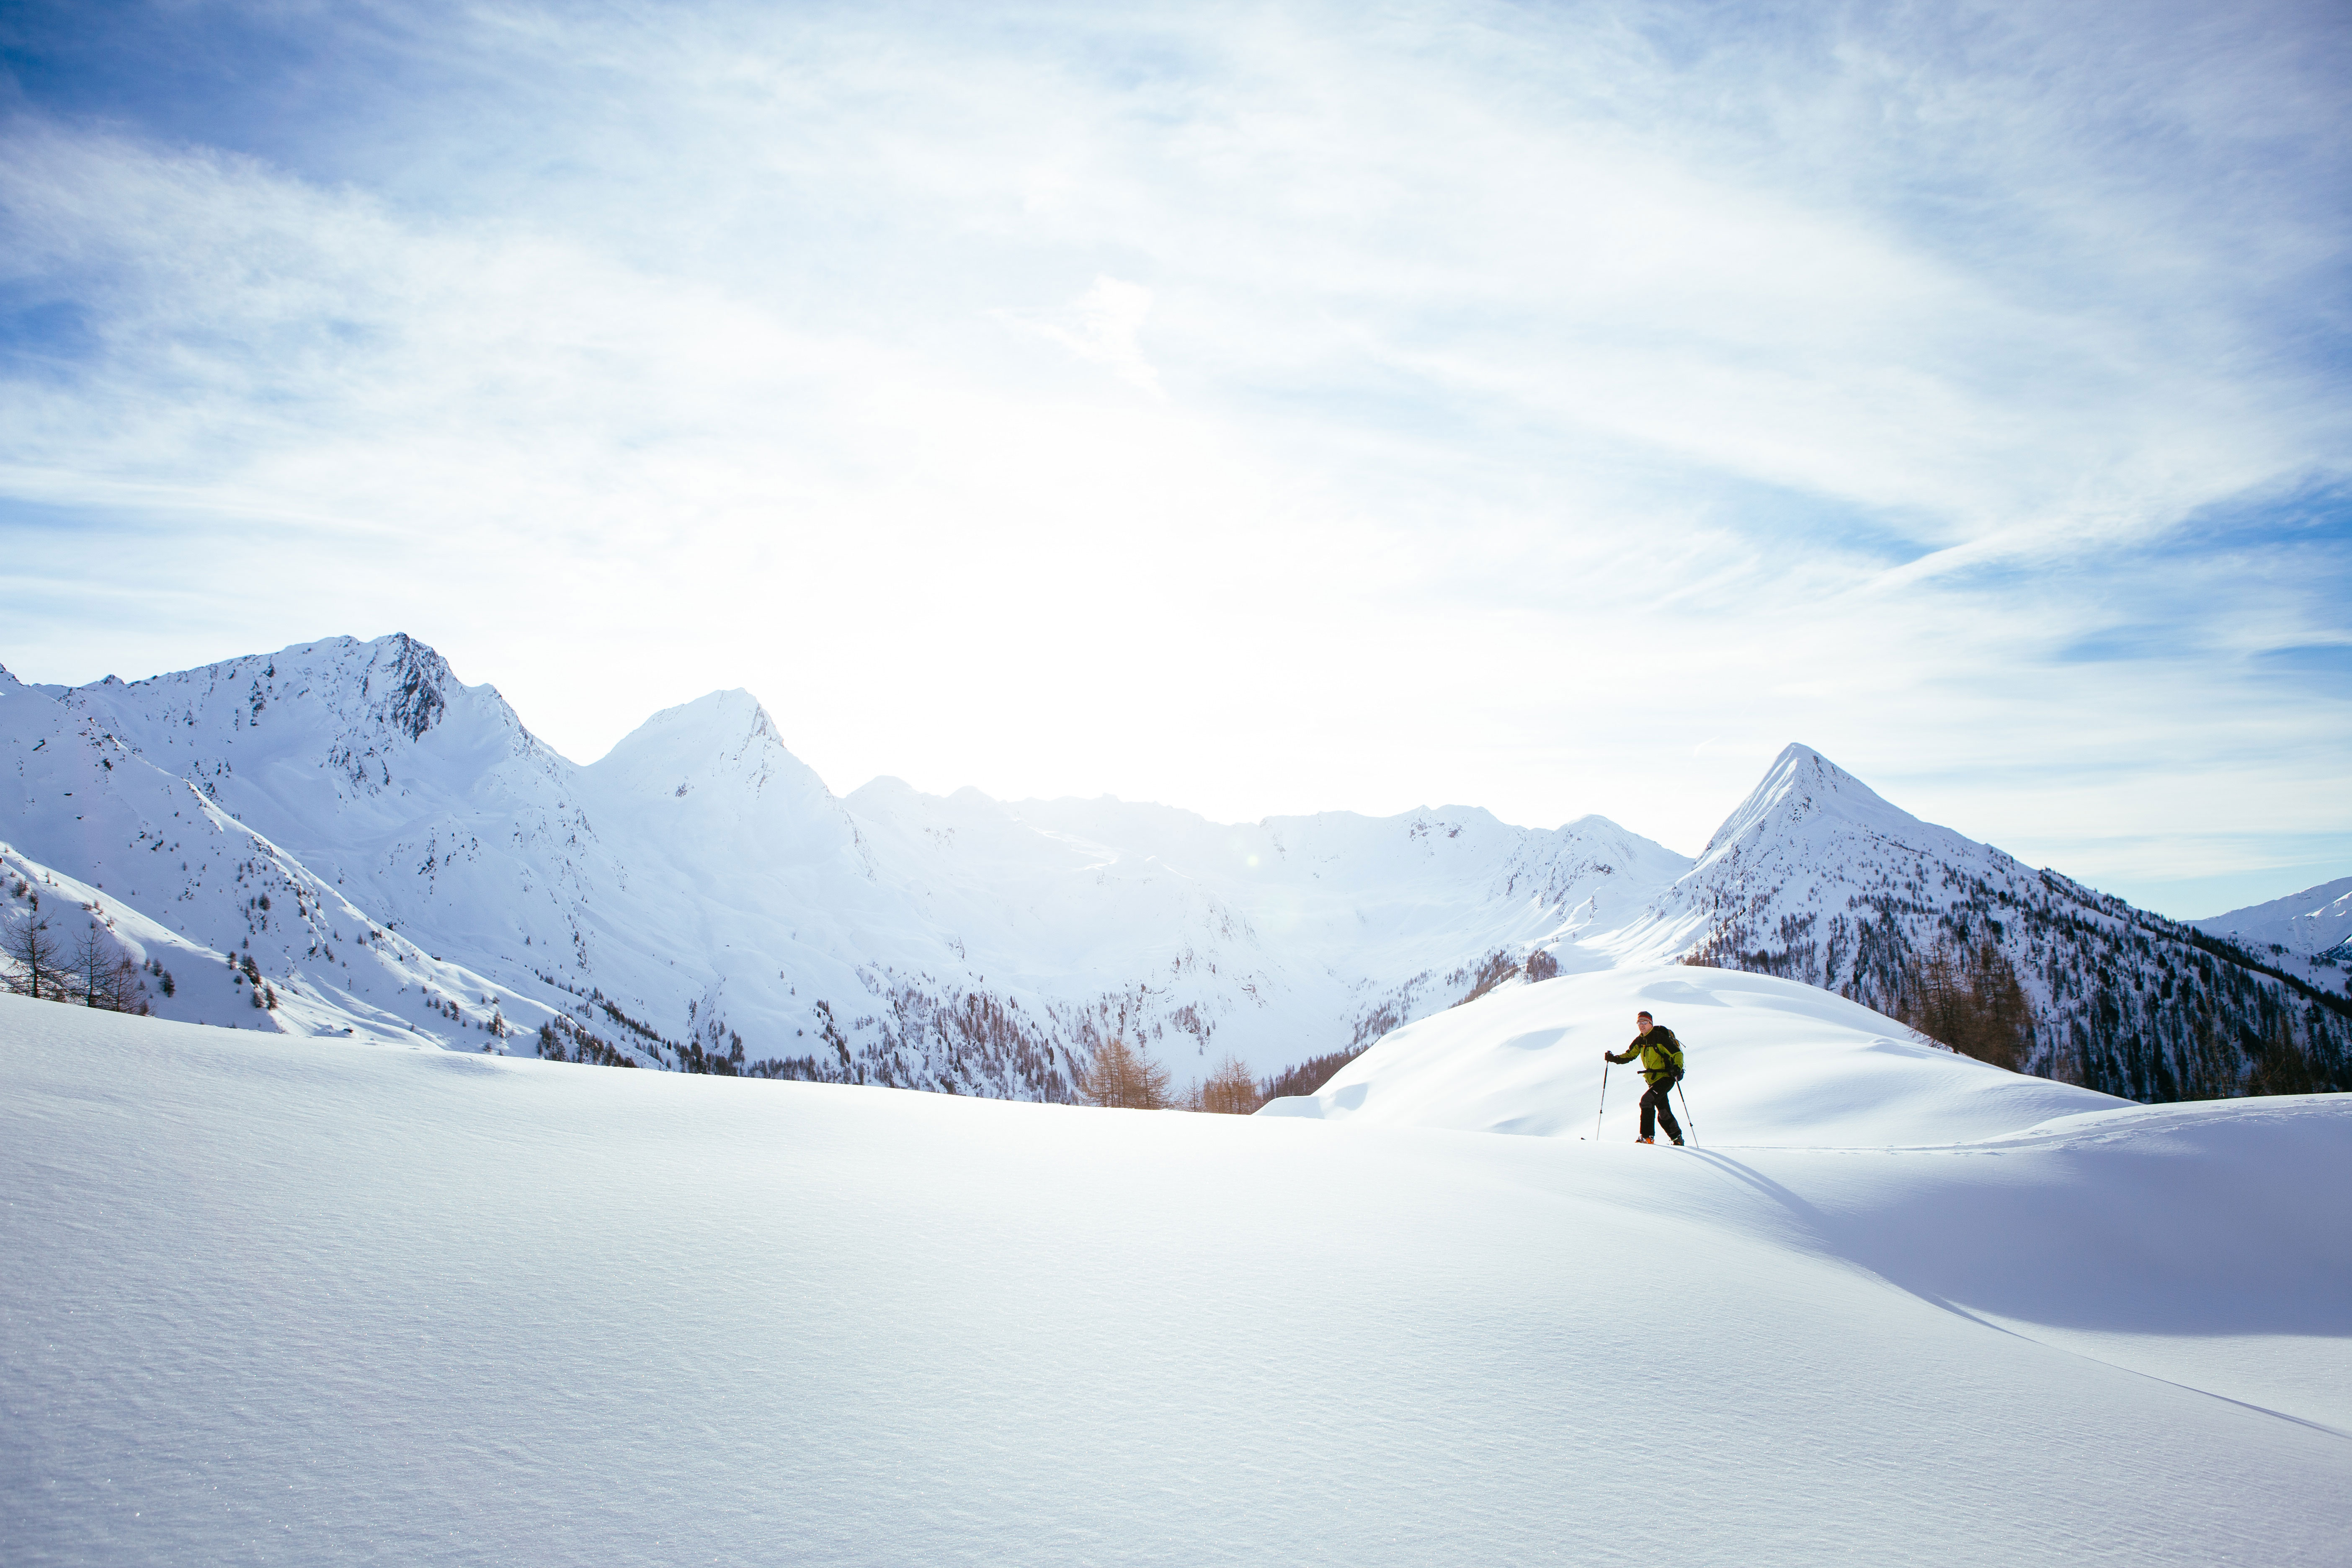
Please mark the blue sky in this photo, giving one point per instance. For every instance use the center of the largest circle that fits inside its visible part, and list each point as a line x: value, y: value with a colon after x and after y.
x: 1258, y: 409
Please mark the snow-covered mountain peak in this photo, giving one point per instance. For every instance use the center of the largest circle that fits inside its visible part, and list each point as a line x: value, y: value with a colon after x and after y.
x: 410, y: 682
x: 1810, y: 843
x: 1601, y: 836
x: 10, y: 681
x: 881, y: 795
x: 1802, y: 784
x: 723, y: 739
x: 2304, y: 925
x: 359, y: 705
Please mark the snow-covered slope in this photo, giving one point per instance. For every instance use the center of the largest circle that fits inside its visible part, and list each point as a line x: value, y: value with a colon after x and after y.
x: 1770, y: 1061
x: 2313, y: 928
x: 177, y: 882
x: 1266, y: 937
x: 327, y: 1301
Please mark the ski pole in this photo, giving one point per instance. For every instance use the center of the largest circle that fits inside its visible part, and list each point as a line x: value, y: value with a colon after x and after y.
x: 1604, y: 1100
x: 1686, y: 1109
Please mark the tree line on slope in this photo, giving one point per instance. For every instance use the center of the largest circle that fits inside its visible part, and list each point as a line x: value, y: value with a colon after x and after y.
x: 1116, y: 1075
x: 88, y: 970
x: 2133, y: 1006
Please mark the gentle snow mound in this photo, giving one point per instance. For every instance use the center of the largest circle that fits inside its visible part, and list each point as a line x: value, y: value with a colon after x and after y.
x: 1770, y: 1062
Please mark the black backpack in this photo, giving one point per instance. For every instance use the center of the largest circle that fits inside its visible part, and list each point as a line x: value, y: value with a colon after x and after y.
x: 1675, y: 1046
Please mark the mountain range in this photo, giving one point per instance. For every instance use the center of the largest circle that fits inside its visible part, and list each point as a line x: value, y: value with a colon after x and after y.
x: 342, y: 838
x: 2311, y: 929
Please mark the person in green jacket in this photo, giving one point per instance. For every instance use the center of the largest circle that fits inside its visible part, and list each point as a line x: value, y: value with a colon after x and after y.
x: 1662, y: 1067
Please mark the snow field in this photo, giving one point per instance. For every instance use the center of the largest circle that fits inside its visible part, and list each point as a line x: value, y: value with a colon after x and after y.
x: 274, y: 1300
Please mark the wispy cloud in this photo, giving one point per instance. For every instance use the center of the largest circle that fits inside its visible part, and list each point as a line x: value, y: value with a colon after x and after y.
x: 1103, y: 325
x: 1554, y: 407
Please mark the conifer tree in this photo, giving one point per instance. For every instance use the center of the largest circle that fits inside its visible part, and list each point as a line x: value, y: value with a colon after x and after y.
x: 93, y: 967
x: 1969, y: 999
x: 1116, y: 1074
x: 1228, y: 1091
x: 33, y: 952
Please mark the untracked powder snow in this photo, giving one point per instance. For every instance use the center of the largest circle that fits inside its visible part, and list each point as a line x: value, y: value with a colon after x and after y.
x: 277, y: 1300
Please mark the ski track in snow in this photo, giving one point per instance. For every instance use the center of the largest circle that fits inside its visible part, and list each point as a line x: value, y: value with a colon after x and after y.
x: 286, y: 1300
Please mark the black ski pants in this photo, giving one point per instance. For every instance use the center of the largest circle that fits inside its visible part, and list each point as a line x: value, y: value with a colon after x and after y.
x: 1655, y: 1110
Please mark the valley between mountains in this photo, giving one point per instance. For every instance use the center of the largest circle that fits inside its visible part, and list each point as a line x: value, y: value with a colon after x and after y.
x: 342, y: 839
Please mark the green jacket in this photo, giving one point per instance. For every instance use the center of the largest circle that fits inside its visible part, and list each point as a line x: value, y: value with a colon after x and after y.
x: 1661, y: 1054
